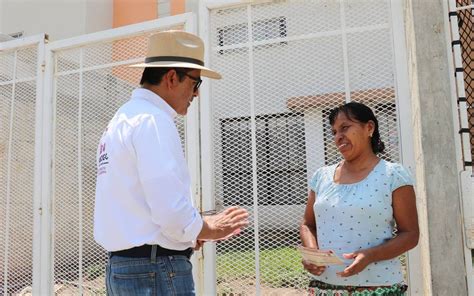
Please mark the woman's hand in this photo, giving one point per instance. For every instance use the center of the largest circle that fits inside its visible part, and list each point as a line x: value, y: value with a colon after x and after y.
x: 361, y: 258
x: 313, y: 269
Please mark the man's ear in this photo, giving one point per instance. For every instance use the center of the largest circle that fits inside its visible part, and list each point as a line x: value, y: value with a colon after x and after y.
x: 171, y: 79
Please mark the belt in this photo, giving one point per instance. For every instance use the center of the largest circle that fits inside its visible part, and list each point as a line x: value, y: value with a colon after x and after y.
x: 145, y: 252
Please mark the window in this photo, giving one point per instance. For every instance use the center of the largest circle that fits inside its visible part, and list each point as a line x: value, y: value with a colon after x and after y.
x: 281, y: 160
x: 262, y: 30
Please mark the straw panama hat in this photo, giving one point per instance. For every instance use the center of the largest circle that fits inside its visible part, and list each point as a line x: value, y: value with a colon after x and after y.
x: 177, y: 49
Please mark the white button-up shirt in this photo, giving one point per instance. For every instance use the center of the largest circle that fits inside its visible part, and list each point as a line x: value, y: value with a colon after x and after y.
x: 143, y: 191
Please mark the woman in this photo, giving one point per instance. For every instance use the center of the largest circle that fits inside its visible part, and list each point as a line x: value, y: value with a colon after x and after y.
x: 355, y: 207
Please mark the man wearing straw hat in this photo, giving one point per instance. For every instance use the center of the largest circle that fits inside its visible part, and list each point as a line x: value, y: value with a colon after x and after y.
x: 144, y: 216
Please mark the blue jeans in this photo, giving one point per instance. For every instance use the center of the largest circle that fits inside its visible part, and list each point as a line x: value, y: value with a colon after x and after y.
x: 161, y: 275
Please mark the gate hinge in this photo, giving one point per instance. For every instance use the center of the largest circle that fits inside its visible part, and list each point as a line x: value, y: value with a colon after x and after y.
x: 43, y: 66
x: 40, y: 211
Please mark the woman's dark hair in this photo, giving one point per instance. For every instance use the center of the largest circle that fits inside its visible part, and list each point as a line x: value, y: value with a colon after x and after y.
x: 361, y: 113
x: 154, y: 75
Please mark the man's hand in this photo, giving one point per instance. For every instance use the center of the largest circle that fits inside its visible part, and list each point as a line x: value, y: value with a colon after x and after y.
x: 198, y: 245
x: 224, y: 224
x: 361, y: 260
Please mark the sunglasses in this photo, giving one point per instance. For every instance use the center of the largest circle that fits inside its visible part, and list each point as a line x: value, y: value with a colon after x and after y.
x: 198, y: 80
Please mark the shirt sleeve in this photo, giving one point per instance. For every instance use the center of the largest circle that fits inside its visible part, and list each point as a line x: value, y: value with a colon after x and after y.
x: 399, y: 177
x: 315, y: 180
x: 160, y: 168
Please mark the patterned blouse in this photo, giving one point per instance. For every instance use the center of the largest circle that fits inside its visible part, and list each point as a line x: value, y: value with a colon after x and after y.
x: 357, y: 216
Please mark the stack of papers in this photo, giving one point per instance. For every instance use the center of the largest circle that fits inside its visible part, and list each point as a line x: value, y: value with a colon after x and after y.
x: 319, y: 257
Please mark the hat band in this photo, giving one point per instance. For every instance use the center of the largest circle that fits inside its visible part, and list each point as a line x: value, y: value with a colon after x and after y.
x: 173, y: 59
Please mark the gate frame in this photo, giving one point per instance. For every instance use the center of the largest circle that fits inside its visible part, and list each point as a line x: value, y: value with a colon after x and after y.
x: 39, y: 40
x: 45, y: 270
x: 462, y: 140
x: 407, y: 156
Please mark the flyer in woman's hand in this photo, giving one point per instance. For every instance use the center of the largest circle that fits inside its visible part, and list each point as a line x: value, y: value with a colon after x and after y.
x: 319, y: 257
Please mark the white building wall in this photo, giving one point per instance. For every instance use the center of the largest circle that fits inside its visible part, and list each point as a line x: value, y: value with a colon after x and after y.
x: 99, y: 15
x: 59, y: 19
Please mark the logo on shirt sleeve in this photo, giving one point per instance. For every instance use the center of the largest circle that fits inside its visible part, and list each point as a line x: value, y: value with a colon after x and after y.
x: 103, y: 160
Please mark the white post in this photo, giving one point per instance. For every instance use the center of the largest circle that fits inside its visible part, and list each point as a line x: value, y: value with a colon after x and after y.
x: 47, y: 272
x: 415, y: 279
x: 37, y: 204
x: 79, y: 167
x: 193, y: 160
x: 347, y: 84
x: 253, y: 127
x: 208, y: 254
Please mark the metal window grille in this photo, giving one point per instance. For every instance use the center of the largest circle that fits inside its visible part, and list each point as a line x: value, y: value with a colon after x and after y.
x: 332, y: 52
x: 18, y: 87
x: 466, y: 34
x: 461, y: 17
x: 281, y: 135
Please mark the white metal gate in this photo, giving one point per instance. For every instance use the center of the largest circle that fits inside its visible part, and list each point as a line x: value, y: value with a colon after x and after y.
x: 90, y: 81
x: 285, y: 64
x: 263, y: 133
x: 21, y: 81
x: 55, y: 101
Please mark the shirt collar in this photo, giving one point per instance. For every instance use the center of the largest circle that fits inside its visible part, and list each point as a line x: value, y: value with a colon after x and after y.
x: 155, y: 99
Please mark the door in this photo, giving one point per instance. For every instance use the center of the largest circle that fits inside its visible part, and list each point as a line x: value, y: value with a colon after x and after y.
x: 285, y: 64
x: 21, y: 85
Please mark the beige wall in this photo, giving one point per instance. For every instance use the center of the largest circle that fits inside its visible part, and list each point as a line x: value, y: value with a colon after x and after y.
x: 126, y: 12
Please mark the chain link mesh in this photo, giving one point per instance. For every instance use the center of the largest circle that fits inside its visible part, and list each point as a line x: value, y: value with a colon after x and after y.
x: 17, y: 147
x: 285, y: 64
x: 92, y: 82
x: 466, y: 33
